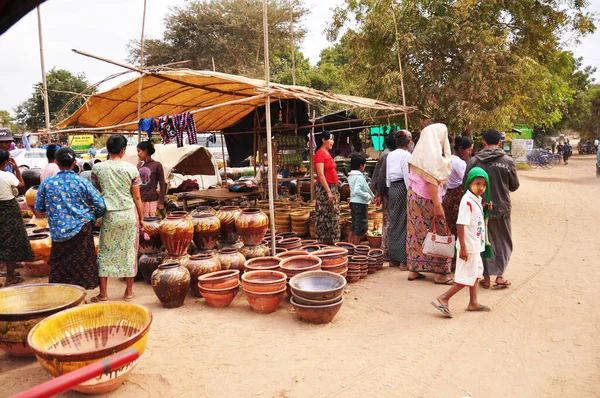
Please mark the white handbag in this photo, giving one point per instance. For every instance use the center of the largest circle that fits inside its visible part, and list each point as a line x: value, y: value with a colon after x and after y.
x: 439, y: 245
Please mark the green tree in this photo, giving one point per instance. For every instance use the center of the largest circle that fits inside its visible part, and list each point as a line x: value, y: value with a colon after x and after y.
x: 61, y: 85
x: 230, y: 32
x: 6, y: 120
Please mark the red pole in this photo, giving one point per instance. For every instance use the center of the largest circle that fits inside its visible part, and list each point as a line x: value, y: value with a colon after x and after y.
x: 71, y: 379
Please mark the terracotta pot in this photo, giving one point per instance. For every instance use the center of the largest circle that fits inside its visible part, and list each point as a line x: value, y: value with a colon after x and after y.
x: 170, y: 283
x: 332, y: 256
x: 346, y: 245
x: 41, y: 244
x: 204, y: 210
x: 219, y: 280
x: 31, y: 177
x: 181, y: 259
x: 235, y: 245
x: 255, y: 251
x: 374, y: 241
x: 292, y: 253
x: 30, y: 196
x: 152, y: 229
x: 219, y: 298
x: 318, y: 285
x: 286, y: 235
x: 262, y: 264
x: 311, y: 248
x: 227, y: 215
x: 207, y: 228
x: 376, y: 253
x: 290, y: 243
x: 317, y: 314
x: 265, y: 303
x: 176, y: 233
x: 264, y: 281
x: 305, y: 301
x: 306, y: 242
x: 148, y: 263
x: 252, y: 225
x: 231, y: 259
x: 292, y: 266
x: 200, y: 265
x: 361, y: 250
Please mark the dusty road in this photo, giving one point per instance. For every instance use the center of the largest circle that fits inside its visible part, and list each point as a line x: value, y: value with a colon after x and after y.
x: 540, y: 340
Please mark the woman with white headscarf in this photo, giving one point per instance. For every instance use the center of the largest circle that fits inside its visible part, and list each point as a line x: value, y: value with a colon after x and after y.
x: 429, y: 167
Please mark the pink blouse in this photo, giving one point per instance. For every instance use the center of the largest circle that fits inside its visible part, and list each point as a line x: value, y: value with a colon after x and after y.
x: 419, y: 186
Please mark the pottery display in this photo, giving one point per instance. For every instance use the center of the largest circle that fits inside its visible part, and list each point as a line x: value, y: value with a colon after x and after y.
x: 255, y: 251
x: 318, y: 285
x: 290, y: 243
x: 332, y: 256
x: 30, y: 196
x: 41, y: 244
x: 266, y: 302
x: 150, y: 241
x: 219, y: 298
x: 291, y: 253
x: 317, y: 314
x: 227, y: 216
x: 23, y: 307
x: 220, y: 280
x: 204, y: 210
x: 170, y: 283
x: 262, y: 263
x: 265, y: 281
x: 199, y: 265
x: 148, y: 263
x: 346, y: 245
x: 292, y: 266
x: 377, y: 254
x: 207, y: 228
x: 231, y: 259
x: 90, y: 334
x: 252, y: 225
x: 181, y: 259
x: 361, y: 250
x: 176, y: 233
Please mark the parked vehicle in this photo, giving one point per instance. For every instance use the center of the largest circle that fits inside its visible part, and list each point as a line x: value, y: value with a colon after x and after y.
x: 101, y: 154
x: 33, y: 158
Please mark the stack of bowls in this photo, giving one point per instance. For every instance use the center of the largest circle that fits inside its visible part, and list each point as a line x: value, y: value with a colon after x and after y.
x: 346, y: 245
x: 353, y: 273
x: 291, y: 253
x: 312, y: 228
x: 264, y: 290
x: 290, y: 243
x: 377, y: 254
x: 372, y: 265
x: 262, y: 264
x: 307, y: 242
x: 317, y: 295
x: 361, y: 250
x: 283, y: 221
x: 219, y: 288
x: 295, y: 265
x: 300, y: 219
x: 363, y: 262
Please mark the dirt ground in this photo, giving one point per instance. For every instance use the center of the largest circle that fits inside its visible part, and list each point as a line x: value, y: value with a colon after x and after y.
x: 387, y: 340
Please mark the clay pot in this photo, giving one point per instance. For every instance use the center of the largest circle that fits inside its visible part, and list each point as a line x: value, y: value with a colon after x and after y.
x: 305, y: 301
x: 176, y: 233
x: 346, y: 245
x: 207, y: 228
x: 231, y: 259
x: 252, y: 225
x: 265, y: 281
x: 292, y: 253
x: 290, y: 243
x: 311, y: 248
x: 219, y: 280
x: 204, y: 210
x: 265, y: 303
x: 31, y: 177
x: 255, y: 251
x: 41, y: 244
x: 228, y: 215
x: 374, y: 241
x: 148, y: 263
x: 219, y: 298
x: 292, y: 266
x: 181, y: 259
x: 286, y: 235
x: 200, y: 265
x: 306, y: 242
x: 30, y: 196
x: 152, y: 229
x: 332, y: 256
x: 170, y: 283
x: 317, y: 314
x: 361, y: 250
x: 318, y: 285
x: 262, y: 264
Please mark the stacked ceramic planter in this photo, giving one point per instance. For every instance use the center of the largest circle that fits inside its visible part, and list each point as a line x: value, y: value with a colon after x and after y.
x: 300, y: 219
x: 283, y: 222
x: 317, y: 296
x: 377, y: 255
x: 333, y: 259
x: 262, y: 264
x: 292, y: 266
x: 361, y: 250
x: 290, y: 243
x: 264, y: 289
x: 219, y: 288
x: 346, y: 245
x: 357, y: 266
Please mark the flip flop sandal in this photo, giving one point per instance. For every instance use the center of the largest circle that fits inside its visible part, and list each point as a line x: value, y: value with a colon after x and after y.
x: 502, y: 285
x: 448, y: 281
x: 484, y: 285
x: 483, y: 308
x: 420, y: 276
x: 15, y: 281
x: 98, y: 299
x: 129, y: 299
x: 443, y: 309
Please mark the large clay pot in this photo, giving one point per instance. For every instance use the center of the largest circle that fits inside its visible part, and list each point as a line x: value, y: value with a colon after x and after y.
x: 231, y: 259
x: 31, y: 177
x: 181, y: 259
x: 227, y: 215
x: 41, y: 246
x: 255, y: 251
x: 30, y: 196
x: 199, y: 265
x: 96, y: 235
x: 252, y: 225
x: 176, y: 233
x: 170, y: 283
x: 148, y: 263
x: 152, y: 230
x: 207, y: 228
x: 204, y: 210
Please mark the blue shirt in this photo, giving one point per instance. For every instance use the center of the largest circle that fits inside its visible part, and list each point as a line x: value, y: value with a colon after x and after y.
x: 66, y: 198
x: 359, y: 189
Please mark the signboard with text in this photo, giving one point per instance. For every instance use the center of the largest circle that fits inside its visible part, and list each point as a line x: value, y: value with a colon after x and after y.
x: 81, y: 143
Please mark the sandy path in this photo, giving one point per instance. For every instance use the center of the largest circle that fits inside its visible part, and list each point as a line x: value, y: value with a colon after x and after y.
x: 387, y: 340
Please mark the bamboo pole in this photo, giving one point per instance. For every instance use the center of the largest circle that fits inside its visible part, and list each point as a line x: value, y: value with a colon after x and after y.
x: 293, y: 45
x: 44, y: 87
x: 141, y: 74
x: 399, y: 63
x: 272, y: 187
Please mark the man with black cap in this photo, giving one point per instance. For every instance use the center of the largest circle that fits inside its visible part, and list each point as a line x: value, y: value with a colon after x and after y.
x: 6, y: 140
x: 65, y: 199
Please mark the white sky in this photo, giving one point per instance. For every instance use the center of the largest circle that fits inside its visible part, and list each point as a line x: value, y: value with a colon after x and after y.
x: 105, y: 27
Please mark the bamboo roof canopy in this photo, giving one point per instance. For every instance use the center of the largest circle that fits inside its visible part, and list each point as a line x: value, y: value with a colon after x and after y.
x: 217, y: 100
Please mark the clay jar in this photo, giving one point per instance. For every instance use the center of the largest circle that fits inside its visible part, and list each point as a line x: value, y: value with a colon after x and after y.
x: 255, y: 251
x: 148, y: 263
x: 181, y: 259
x: 231, y: 259
x: 30, y: 196
x: 199, y: 265
x: 170, y: 283
x: 207, y: 228
x: 41, y: 246
x: 152, y: 229
x: 227, y: 215
x: 252, y: 225
x: 176, y: 233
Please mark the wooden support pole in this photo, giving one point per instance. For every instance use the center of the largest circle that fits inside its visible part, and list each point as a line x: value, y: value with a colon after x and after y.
x: 44, y: 87
x: 139, y: 111
x: 399, y: 64
x: 270, y: 166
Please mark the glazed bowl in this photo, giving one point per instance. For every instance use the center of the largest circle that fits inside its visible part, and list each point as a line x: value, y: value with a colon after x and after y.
x: 332, y: 255
x: 23, y: 307
x: 83, y: 335
x: 318, y: 285
x: 317, y: 314
x: 265, y: 303
x: 219, y: 280
x: 219, y: 298
x: 292, y: 266
x: 263, y: 281
x: 262, y: 263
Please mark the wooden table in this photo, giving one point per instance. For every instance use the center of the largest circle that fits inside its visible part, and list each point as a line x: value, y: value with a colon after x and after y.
x: 216, y: 194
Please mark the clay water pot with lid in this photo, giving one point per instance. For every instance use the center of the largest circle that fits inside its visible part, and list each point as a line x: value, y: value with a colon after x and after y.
x: 199, y: 265
x: 227, y: 215
x: 231, y: 259
x: 207, y: 228
x: 251, y: 225
x: 152, y: 230
x: 177, y: 232
x: 170, y: 283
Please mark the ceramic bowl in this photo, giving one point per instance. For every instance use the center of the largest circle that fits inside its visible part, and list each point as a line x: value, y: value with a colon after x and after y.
x: 220, y: 279
x: 23, y: 307
x: 264, y: 303
x: 219, y: 298
x: 262, y: 263
x: 291, y: 253
x: 317, y: 314
x: 318, y: 285
x: 305, y: 301
x: 265, y: 281
x: 295, y: 265
x: 87, y: 334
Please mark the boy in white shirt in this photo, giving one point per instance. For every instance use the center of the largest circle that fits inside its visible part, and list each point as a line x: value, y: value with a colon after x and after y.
x: 471, y: 242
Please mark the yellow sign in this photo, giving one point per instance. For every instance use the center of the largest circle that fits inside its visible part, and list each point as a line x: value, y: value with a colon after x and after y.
x: 81, y: 142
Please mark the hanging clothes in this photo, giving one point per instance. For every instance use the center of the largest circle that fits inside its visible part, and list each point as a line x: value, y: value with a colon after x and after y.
x: 184, y: 122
